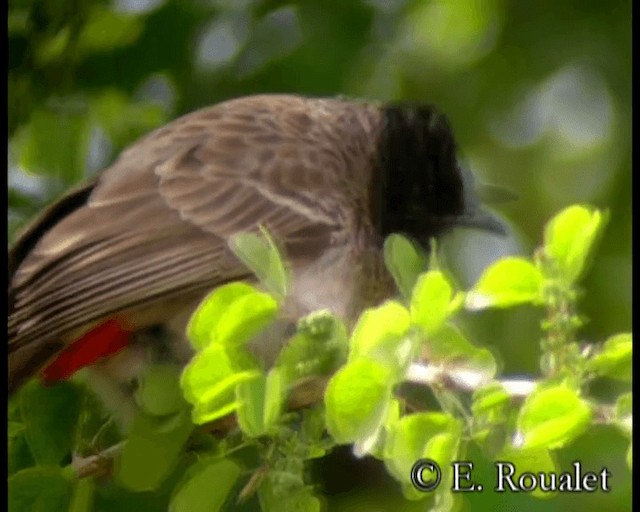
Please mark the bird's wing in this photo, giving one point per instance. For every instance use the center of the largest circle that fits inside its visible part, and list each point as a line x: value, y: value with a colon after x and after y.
x: 157, y: 222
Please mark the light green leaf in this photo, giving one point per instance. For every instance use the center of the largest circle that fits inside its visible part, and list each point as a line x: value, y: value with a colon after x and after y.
x: 535, y: 460
x: 404, y: 261
x: 489, y: 408
x: 431, y: 300
x: 207, y: 411
x: 614, y: 359
x: 209, y: 383
x: 507, y: 282
x: 196, y: 492
x: 552, y: 417
x: 356, y: 400
x: 382, y: 334
x: 219, y: 400
x: 231, y: 314
x: 569, y: 239
x: 260, y: 254
x: 260, y: 403
x: 204, y: 371
x: 490, y: 398
x: 274, y: 398
x: 449, y: 347
x: 244, y: 318
x: 624, y: 413
x: 434, y: 436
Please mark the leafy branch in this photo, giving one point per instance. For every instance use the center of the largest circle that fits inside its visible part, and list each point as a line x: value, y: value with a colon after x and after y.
x: 330, y: 386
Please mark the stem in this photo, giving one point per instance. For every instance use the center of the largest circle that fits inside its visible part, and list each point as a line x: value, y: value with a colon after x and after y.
x: 559, y: 347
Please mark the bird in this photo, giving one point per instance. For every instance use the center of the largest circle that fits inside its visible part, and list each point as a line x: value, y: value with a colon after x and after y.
x: 118, y: 264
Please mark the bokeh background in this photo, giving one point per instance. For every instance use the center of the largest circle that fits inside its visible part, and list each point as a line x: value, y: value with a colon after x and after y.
x: 538, y: 93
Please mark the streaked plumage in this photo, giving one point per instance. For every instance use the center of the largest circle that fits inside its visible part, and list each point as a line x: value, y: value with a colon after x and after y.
x: 148, y: 238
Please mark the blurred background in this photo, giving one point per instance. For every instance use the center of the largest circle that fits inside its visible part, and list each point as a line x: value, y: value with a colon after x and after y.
x: 538, y: 93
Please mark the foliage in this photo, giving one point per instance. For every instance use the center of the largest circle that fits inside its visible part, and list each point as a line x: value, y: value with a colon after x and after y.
x: 364, y: 404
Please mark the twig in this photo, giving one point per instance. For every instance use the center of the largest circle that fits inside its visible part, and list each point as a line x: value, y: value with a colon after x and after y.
x: 96, y: 465
x: 465, y: 379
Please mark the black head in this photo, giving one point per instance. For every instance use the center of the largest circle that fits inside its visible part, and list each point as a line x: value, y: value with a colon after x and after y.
x: 421, y: 190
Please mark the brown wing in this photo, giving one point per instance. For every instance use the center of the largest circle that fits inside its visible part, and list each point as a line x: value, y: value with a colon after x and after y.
x: 156, y: 224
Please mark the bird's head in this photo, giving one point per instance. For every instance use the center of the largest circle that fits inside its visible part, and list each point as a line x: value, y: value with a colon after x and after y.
x: 423, y: 191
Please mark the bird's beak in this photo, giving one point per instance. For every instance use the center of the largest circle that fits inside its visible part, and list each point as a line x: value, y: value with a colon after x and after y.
x: 494, y: 194
x: 475, y: 215
x: 479, y: 218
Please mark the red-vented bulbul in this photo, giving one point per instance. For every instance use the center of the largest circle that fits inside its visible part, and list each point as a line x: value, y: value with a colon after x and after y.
x: 140, y: 245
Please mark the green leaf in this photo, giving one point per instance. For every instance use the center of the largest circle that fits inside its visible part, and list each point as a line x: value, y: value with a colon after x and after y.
x: 431, y: 301
x: 449, y: 347
x: 318, y: 348
x: 260, y: 403
x: 159, y: 392
x: 624, y: 413
x: 552, y: 417
x: 19, y: 455
x: 274, y: 398
x: 382, y: 334
x: 507, y: 282
x: 489, y: 408
x: 356, y: 400
x: 50, y: 418
x: 535, y: 460
x: 404, y: 261
x: 124, y: 118
x: 312, y: 432
x: 206, y: 486
x: 489, y: 399
x: 614, y: 359
x: 107, y: 29
x: 152, y: 450
x: 261, y: 256
x: 209, y: 383
x: 245, y: 318
x: 232, y: 314
x: 52, y: 47
x: 322, y: 326
x: 17, y: 21
x: 39, y: 489
x: 417, y: 436
x: 278, y: 494
x: 14, y: 428
x: 61, y: 156
x: 569, y: 239
x: 205, y: 371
